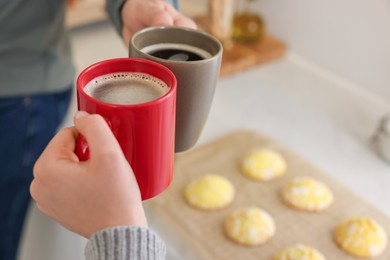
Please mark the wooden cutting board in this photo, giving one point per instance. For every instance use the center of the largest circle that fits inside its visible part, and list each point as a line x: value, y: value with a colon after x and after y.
x: 239, y: 57
x: 202, y: 231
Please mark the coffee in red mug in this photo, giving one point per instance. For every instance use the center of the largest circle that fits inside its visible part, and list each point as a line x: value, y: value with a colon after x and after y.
x: 137, y: 98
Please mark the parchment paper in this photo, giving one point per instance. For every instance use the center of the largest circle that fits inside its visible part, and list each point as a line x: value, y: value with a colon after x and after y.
x: 202, y: 231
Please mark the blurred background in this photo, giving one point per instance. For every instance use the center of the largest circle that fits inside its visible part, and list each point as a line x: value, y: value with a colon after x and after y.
x: 348, y: 38
x: 325, y: 71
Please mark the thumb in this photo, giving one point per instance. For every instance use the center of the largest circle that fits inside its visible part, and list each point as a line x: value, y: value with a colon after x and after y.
x: 161, y: 18
x: 98, y: 134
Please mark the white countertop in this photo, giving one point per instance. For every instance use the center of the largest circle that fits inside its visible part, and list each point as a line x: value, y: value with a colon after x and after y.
x: 326, y: 120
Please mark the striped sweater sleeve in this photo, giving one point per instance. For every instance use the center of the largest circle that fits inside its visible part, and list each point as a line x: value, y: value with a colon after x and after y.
x: 125, y: 243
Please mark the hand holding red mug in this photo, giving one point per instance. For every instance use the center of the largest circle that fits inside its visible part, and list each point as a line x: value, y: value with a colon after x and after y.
x: 87, y: 196
x: 145, y: 130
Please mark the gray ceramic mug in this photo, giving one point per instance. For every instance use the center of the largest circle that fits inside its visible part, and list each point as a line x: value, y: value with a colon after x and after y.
x: 195, y: 59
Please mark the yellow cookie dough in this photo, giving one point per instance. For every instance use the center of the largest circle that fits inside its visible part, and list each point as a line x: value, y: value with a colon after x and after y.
x: 209, y: 192
x: 300, y: 252
x: 307, y: 194
x: 250, y: 226
x: 361, y: 237
x: 263, y: 165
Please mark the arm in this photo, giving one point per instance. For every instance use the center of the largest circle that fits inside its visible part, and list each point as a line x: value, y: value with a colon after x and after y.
x: 98, y: 199
x: 129, y: 16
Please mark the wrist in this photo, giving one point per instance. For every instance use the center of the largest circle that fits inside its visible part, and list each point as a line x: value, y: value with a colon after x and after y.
x: 135, y: 217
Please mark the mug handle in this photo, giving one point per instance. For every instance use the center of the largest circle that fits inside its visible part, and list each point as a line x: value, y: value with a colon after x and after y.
x: 82, y: 148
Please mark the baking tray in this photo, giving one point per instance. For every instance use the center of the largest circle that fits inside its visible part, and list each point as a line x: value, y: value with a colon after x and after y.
x: 202, y: 231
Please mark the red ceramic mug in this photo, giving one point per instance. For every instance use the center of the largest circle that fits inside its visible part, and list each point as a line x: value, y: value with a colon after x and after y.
x: 145, y: 131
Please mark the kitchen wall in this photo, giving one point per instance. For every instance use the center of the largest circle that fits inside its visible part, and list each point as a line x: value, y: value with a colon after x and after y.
x: 350, y: 38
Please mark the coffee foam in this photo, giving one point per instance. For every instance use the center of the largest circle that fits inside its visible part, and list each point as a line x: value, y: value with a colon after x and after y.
x: 126, y: 88
x: 180, y: 46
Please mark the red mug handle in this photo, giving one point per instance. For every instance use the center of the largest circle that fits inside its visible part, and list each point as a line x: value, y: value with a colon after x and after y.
x: 82, y: 148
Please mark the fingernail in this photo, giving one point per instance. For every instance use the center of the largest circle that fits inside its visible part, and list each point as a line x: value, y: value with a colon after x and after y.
x: 80, y: 114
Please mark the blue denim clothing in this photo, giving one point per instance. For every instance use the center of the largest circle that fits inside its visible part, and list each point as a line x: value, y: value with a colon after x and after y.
x: 26, y: 126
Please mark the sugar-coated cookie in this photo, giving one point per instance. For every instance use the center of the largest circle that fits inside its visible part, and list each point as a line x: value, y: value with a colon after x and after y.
x: 299, y: 252
x: 263, y: 165
x: 361, y: 237
x: 209, y: 192
x: 250, y: 226
x: 307, y: 194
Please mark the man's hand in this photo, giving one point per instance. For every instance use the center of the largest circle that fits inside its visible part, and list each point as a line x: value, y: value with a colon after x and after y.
x: 138, y: 14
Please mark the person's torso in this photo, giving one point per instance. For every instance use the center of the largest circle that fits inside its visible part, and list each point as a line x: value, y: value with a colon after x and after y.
x: 34, y: 47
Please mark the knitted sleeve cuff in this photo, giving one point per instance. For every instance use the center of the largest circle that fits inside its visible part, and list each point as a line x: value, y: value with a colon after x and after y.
x: 114, y: 8
x: 125, y: 242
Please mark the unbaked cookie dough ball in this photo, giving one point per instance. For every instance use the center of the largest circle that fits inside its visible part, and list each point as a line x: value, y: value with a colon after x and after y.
x: 308, y: 194
x: 209, y: 192
x: 299, y: 252
x: 263, y: 165
x: 250, y: 226
x: 361, y: 237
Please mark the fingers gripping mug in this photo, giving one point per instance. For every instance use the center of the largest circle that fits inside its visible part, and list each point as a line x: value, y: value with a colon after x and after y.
x: 195, y: 59
x: 137, y: 98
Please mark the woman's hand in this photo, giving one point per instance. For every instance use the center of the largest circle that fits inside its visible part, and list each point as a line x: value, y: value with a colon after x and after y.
x: 87, y: 196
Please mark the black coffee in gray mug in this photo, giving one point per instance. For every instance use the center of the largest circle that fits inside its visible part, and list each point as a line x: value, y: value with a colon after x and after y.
x: 195, y: 59
x: 176, y: 52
